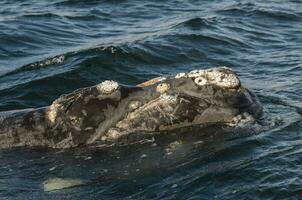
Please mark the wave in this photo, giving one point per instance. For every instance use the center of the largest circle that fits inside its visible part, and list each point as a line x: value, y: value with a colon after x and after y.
x: 200, y: 22
x: 51, y: 77
x: 256, y: 10
x: 47, y: 15
x: 133, y: 55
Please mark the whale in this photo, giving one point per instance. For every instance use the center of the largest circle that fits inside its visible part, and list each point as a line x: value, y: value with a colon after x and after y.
x: 109, y: 112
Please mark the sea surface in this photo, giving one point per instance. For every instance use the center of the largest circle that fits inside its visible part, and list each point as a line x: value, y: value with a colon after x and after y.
x: 48, y: 48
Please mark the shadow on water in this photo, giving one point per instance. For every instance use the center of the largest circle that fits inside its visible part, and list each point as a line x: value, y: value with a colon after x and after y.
x: 123, y: 170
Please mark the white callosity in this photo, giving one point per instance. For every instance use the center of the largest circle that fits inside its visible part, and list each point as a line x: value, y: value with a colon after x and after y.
x: 180, y: 75
x: 200, y: 81
x: 134, y: 105
x: 113, y: 134
x: 107, y: 87
x: 222, y: 79
x: 196, y: 73
x: 215, y: 76
x: 168, y: 98
x: 162, y: 87
x: 52, y: 112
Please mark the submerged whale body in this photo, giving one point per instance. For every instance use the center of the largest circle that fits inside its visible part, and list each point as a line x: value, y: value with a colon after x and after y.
x: 108, y: 112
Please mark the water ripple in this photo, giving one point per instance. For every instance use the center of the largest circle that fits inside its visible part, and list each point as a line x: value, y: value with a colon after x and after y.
x: 48, y: 48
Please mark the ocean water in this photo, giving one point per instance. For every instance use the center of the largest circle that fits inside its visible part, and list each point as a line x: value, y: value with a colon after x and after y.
x: 48, y: 48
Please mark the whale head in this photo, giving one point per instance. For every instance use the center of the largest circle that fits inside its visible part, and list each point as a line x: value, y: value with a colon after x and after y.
x: 109, y: 110
x: 199, y: 97
x: 213, y: 95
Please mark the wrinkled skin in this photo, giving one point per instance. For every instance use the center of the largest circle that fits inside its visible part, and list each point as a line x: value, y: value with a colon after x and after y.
x: 108, y: 112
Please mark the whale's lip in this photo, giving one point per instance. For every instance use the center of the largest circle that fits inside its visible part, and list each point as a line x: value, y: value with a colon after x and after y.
x: 152, y: 81
x: 222, y: 77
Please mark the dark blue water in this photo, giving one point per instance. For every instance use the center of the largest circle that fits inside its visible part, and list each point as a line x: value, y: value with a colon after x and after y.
x: 48, y: 48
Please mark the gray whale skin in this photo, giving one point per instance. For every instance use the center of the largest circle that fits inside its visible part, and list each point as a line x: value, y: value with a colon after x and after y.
x: 107, y: 112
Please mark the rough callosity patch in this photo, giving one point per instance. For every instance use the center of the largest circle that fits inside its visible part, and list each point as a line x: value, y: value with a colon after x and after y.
x: 52, y: 112
x: 134, y: 105
x: 222, y: 76
x: 200, y: 81
x: 61, y: 105
x: 162, y: 87
x: 196, y: 73
x: 180, y: 75
x: 123, y: 125
x: 107, y: 87
x: 113, y: 134
x: 168, y: 98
